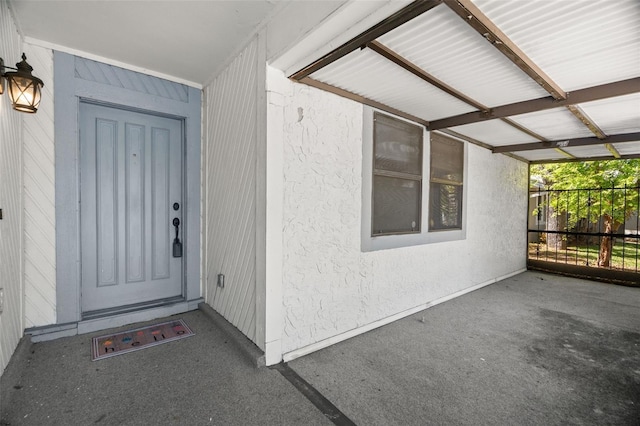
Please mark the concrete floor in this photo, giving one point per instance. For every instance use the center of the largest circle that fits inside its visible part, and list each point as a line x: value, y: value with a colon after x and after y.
x: 200, y: 380
x: 534, y: 349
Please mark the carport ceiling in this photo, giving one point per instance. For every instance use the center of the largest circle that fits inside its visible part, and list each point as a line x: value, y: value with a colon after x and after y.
x: 546, y: 80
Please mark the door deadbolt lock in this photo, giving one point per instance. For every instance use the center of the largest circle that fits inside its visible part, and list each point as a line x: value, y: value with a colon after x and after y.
x: 176, y: 206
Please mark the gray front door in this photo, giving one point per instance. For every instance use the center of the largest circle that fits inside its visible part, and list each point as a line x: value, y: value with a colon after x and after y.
x: 130, y: 193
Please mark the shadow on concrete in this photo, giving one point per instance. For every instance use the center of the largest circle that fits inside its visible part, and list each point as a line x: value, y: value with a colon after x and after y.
x: 535, y: 349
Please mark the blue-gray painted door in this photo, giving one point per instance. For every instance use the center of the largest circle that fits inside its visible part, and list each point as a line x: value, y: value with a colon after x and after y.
x: 130, y: 178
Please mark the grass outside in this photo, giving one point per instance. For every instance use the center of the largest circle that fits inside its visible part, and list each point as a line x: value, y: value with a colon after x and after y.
x: 625, y: 256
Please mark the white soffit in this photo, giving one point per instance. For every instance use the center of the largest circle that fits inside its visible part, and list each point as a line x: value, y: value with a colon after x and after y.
x: 349, y: 20
x: 368, y: 74
x: 494, y: 133
x: 616, y: 115
x: 577, y: 43
x: 443, y: 45
x: 554, y: 124
x: 180, y: 38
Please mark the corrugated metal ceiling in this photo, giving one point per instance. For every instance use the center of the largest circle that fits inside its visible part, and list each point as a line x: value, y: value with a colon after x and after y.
x: 545, y: 155
x: 593, y: 151
x: 577, y: 43
x: 443, y: 45
x: 385, y: 81
x: 629, y: 148
x: 554, y: 124
x: 477, y: 56
x: 494, y: 133
x: 616, y: 115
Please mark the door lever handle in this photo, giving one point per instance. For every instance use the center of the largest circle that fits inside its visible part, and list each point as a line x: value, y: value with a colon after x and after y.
x: 177, y: 245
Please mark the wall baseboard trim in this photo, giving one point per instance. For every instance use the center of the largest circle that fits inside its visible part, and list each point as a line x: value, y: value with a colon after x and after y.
x: 290, y: 356
x: 248, y: 348
x: 56, y: 331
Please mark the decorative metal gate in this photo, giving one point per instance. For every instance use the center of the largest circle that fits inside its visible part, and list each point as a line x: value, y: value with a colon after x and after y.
x: 592, y: 232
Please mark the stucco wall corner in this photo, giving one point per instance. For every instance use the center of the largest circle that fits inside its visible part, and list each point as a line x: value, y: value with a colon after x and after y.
x: 322, y: 171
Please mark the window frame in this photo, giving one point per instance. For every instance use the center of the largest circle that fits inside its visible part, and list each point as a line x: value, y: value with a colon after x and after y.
x: 447, y: 182
x: 385, y: 173
x: 391, y: 241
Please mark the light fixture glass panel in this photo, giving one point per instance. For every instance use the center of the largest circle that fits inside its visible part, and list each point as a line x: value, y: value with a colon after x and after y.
x: 24, y: 93
x: 2, y: 76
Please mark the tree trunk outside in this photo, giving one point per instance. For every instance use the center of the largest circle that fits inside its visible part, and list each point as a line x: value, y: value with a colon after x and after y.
x: 556, y: 222
x: 606, y: 243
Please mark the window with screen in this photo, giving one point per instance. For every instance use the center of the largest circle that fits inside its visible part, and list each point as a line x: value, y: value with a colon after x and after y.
x: 397, y: 176
x: 445, y: 183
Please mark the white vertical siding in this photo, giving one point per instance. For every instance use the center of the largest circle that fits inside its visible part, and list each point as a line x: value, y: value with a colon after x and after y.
x: 230, y: 180
x: 39, y: 199
x: 11, y: 322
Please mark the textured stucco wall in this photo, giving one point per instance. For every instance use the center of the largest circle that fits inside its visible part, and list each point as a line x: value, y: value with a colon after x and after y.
x: 330, y: 286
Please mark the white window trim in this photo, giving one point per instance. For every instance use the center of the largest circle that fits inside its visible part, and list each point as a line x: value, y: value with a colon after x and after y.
x: 384, y: 242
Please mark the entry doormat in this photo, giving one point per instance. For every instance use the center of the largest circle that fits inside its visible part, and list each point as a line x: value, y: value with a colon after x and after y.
x: 140, y: 338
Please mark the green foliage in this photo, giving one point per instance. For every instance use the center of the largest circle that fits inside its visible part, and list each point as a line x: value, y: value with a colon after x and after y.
x: 582, y: 182
x: 624, y: 256
x: 589, y: 174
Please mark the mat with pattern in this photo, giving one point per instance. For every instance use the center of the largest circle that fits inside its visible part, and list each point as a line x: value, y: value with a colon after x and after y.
x: 141, y: 338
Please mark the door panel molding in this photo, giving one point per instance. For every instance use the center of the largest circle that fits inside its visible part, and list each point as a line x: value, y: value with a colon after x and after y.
x: 106, y: 209
x: 160, y: 199
x: 135, y: 190
x: 69, y: 90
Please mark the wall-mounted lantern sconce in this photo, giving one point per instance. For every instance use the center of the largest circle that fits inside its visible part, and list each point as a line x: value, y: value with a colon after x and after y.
x: 24, y: 88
